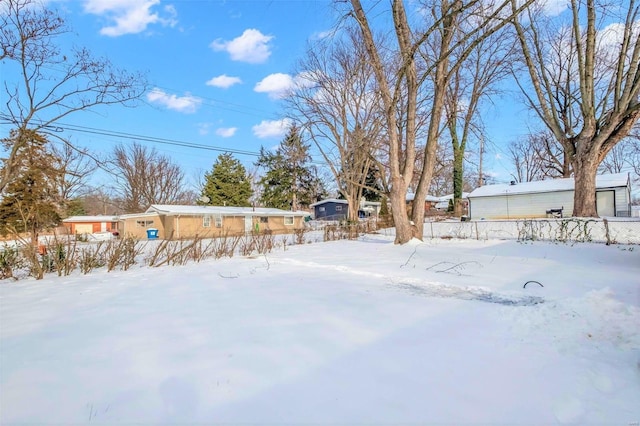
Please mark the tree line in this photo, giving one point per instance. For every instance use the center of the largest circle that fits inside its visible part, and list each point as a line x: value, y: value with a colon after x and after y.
x: 392, y: 102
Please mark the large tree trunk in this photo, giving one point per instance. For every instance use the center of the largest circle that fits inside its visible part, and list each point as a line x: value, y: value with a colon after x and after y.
x: 584, y: 199
x: 398, y: 199
x: 458, y: 169
x: 354, y: 205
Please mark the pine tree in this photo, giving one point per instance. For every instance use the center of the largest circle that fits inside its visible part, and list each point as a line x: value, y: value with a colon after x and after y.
x: 227, y: 184
x: 290, y: 180
x: 31, y: 202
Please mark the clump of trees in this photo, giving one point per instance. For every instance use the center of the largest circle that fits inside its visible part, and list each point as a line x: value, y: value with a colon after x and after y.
x: 289, y: 181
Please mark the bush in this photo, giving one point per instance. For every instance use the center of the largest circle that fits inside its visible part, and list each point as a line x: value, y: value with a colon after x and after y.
x: 10, y: 260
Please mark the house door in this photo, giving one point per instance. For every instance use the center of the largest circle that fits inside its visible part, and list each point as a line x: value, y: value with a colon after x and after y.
x: 605, y: 203
x: 248, y: 224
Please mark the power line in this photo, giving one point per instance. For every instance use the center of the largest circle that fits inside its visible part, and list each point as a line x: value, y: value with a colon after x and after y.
x: 164, y: 141
x: 59, y: 127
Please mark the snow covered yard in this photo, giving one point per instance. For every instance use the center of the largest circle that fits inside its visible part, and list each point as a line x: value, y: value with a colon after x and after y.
x: 341, y: 332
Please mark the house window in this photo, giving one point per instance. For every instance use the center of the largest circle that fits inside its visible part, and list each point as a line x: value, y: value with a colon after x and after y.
x: 144, y: 223
x: 218, y: 220
x: 206, y: 221
x: 264, y: 219
x: 288, y: 220
x: 320, y: 209
x: 338, y: 208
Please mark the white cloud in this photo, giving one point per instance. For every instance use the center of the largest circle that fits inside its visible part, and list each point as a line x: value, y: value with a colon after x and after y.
x: 223, y: 81
x: 187, y: 104
x: 252, y: 47
x: 554, y: 7
x: 321, y: 35
x: 276, y: 85
x: 129, y: 17
x: 226, y: 132
x: 273, y: 128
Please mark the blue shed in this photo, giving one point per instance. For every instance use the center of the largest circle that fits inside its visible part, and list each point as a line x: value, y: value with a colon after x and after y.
x: 330, y: 209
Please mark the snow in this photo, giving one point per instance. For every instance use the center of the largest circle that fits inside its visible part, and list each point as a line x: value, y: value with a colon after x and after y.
x: 614, y: 180
x: 342, y: 332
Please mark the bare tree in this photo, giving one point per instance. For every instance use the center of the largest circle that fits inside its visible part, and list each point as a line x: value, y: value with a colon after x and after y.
x: 76, y: 168
x: 144, y: 177
x: 634, y: 158
x: 622, y: 157
x: 338, y: 105
x: 472, y: 83
x: 49, y: 84
x: 405, y: 79
x: 525, y: 160
x: 585, y: 83
x: 538, y: 156
x: 99, y: 201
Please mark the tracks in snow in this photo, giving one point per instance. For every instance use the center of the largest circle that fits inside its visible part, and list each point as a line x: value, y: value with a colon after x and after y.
x: 429, y: 288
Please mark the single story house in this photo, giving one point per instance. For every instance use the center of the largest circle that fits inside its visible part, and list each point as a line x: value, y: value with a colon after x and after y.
x: 548, y: 198
x: 90, y: 224
x: 335, y: 209
x: 182, y: 221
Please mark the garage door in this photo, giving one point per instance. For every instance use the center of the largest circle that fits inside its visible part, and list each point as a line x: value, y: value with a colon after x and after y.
x: 605, y: 202
x: 84, y: 228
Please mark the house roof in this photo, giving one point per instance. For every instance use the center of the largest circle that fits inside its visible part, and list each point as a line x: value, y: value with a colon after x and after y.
x: 616, y: 180
x: 329, y: 200
x: 90, y: 219
x: 175, y: 210
x: 339, y: 201
x: 122, y: 217
x: 433, y: 198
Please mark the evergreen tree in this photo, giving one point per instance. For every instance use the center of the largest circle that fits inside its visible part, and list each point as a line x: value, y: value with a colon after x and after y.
x: 372, y: 190
x: 228, y: 183
x: 31, y: 201
x: 290, y: 180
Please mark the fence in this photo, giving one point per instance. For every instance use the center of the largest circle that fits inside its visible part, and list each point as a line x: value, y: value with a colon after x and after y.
x: 609, y: 231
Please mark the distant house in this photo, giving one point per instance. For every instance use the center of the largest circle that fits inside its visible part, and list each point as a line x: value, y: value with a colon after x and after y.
x: 335, y: 209
x: 90, y: 224
x: 548, y: 198
x: 180, y: 221
x: 330, y: 209
x: 433, y: 203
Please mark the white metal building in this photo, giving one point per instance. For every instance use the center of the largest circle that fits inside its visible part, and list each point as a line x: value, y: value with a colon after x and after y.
x: 548, y: 198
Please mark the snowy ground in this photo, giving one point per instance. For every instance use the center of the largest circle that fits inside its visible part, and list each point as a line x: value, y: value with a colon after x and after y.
x: 347, y: 332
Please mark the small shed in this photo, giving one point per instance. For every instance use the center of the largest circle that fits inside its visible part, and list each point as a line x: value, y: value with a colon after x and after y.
x: 91, y: 224
x: 548, y: 198
x: 183, y: 221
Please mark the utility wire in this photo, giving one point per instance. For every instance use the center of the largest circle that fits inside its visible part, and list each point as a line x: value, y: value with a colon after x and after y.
x: 60, y: 127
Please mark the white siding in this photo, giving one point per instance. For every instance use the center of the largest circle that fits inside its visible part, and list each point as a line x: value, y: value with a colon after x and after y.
x: 521, y: 206
x: 623, y: 201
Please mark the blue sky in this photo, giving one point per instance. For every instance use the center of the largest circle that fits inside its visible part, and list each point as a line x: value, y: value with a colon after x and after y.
x: 216, y: 69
